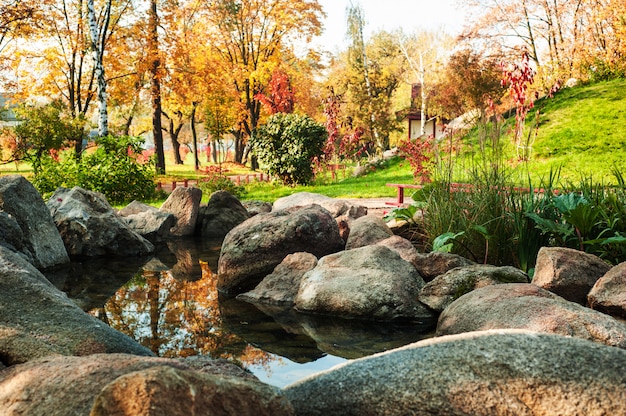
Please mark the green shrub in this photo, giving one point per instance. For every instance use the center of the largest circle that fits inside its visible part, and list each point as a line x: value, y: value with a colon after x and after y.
x: 216, y: 180
x: 286, y: 146
x: 111, y: 169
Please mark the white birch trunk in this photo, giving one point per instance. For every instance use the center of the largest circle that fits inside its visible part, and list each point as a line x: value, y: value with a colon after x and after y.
x: 97, y: 47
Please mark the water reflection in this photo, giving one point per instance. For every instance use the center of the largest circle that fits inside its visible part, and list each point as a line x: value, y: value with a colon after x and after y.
x: 169, y: 303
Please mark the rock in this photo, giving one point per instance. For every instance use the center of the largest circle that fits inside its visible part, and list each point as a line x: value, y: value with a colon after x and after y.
x: 257, y: 207
x: 371, y: 283
x: 281, y: 286
x: 526, y: 306
x: 222, y: 213
x: 404, y: 247
x: 338, y: 208
x: 255, y: 247
x: 11, y: 236
x: 170, y: 391
x: 184, y: 203
x: 121, y: 384
x: 147, y: 221
x: 608, y: 295
x: 367, y: 230
x: 135, y: 207
x: 491, y: 373
x: 38, y: 320
x: 89, y: 226
x: 567, y: 272
x: 431, y: 265
x: 439, y: 293
x: 40, y: 239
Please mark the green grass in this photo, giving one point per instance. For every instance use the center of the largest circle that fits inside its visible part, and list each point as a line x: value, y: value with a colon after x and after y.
x: 372, y: 185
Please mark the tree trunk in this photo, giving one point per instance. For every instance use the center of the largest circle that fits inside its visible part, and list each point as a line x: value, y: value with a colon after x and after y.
x: 97, y: 46
x: 174, y: 131
x: 194, y: 135
x: 155, y: 90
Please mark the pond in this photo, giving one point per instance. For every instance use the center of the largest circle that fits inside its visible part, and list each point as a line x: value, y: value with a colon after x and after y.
x: 169, y: 304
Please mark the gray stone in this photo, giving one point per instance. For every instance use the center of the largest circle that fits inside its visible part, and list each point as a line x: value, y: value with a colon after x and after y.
x: 38, y: 320
x: 526, y: 306
x: 281, y: 286
x: 11, y: 236
x: 371, y: 283
x: 431, y: 265
x: 222, y: 213
x: 41, y: 241
x: 255, y: 247
x: 567, y: 272
x: 135, y: 207
x: 492, y: 373
x: 147, y: 221
x: 440, y: 292
x: 608, y: 295
x: 338, y: 208
x: 89, y: 226
x: 257, y: 207
x: 122, y: 384
x: 184, y: 203
x: 368, y: 230
x: 404, y: 247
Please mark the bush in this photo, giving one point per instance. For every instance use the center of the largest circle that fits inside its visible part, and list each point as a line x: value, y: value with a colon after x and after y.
x: 216, y: 180
x: 111, y: 169
x: 287, y: 145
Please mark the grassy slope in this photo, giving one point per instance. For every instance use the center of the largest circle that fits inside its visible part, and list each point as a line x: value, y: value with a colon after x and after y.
x: 582, y: 130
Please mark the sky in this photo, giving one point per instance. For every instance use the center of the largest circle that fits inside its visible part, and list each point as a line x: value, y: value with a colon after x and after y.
x: 410, y: 15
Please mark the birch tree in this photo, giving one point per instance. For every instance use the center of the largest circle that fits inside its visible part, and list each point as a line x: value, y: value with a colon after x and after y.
x: 426, y: 54
x: 97, y: 35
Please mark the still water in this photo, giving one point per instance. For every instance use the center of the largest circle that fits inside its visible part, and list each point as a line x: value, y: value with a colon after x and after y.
x: 169, y: 303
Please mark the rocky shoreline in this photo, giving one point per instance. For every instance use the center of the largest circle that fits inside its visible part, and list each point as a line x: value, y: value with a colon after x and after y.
x: 504, y: 345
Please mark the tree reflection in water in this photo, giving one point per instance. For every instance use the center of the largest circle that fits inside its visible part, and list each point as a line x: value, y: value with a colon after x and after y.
x: 177, y: 317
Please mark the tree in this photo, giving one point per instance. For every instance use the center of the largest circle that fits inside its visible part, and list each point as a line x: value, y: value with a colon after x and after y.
x: 154, y: 59
x: 358, y: 55
x: 98, y: 36
x: 370, y: 105
x: 426, y: 53
x: 43, y: 131
x: 286, y: 146
x: 250, y: 36
x: 281, y: 98
x: 472, y: 82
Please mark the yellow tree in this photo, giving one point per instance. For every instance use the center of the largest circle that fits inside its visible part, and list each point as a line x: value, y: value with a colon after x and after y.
x: 56, y: 60
x: 250, y: 37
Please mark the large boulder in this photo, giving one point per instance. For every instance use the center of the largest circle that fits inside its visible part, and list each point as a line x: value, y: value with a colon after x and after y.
x: 608, y: 295
x: 40, y: 240
x: 433, y: 264
x: 526, y: 306
x: 149, y: 222
x: 444, y: 289
x: 90, y: 227
x: 38, y: 320
x: 281, y: 286
x: 492, y: 373
x: 121, y: 384
x: 222, y: 213
x: 372, y: 283
x: 338, y: 208
x: 404, y: 247
x: 184, y: 203
x: 255, y: 247
x: 567, y: 272
x: 367, y: 230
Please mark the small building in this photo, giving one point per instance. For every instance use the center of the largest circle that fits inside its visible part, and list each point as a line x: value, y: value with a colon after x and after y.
x: 433, y: 126
x: 7, y: 117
